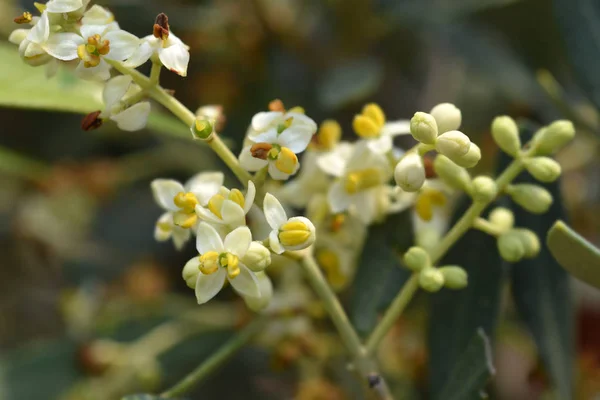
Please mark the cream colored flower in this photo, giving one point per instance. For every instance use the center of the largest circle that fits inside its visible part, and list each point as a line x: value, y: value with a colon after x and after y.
x: 295, y: 233
x: 129, y: 117
x: 227, y: 208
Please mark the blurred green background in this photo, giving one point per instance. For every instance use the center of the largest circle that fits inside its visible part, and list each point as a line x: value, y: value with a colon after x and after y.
x: 77, y: 258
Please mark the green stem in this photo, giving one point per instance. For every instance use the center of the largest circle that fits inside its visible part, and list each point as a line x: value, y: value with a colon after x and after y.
x: 412, y: 285
x: 155, y: 73
x: 216, y: 360
x: 16, y: 164
x: 486, y: 226
x: 362, y: 362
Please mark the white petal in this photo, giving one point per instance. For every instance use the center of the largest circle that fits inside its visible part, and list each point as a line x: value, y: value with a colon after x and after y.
x: 245, y: 283
x: 207, y: 215
x: 208, y: 239
x: 160, y: 234
x: 365, y: 205
x: 295, y: 138
x: 265, y: 287
x: 99, y: 73
x: 332, y: 163
x: 140, y: 55
x: 174, y: 40
x: 274, y: 212
x: 380, y: 145
x: 114, y: 90
x: 250, y: 163
x: 233, y: 215
x: 91, y: 30
x: 394, y: 128
x: 63, y: 6
x: 181, y: 236
x: 133, y: 118
x: 238, y: 241
x: 263, y: 120
x: 122, y: 44
x: 18, y: 35
x: 249, y: 198
x: 207, y: 286
x: 41, y: 31
x: 278, y: 175
x: 175, y: 58
x: 97, y: 15
x: 339, y: 200
x: 302, y: 120
x: 164, y: 191
x: 205, y: 185
x: 267, y: 136
x: 274, y: 243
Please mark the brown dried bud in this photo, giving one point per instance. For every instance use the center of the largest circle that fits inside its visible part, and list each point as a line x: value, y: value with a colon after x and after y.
x: 24, y: 18
x: 161, y: 27
x: 91, y: 121
x: 276, y: 105
x: 260, y: 150
x: 429, y: 170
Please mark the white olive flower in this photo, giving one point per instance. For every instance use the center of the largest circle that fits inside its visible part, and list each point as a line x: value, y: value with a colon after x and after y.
x: 97, y: 15
x: 277, y: 138
x: 219, y: 260
x: 95, y: 43
x: 32, y: 42
x: 115, y: 95
x: 179, y: 202
x: 295, y: 233
x: 310, y: 181
x: 227, y: 207
x: 361, y: 174
x: 65, y: 6
x: 172, y: 53
x: 371, y: 125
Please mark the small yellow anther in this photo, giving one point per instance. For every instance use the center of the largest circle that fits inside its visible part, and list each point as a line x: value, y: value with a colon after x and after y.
x: 186, y: 201
x: 329, y: 134
x: 209, y: 262
x: 286, y: 161
x: 330, y: 263
x: 231, y: 262
x: 374, y: 112
x: 294, y: 233
x: 164, y: 226
x: 215, y: 203
x: 426, y: 200
x: 362, y: 180
x: 24, y: 18
x: 297, y: 109
x: 365, y: 127
x: 184, y: 219
x: 237, y: 197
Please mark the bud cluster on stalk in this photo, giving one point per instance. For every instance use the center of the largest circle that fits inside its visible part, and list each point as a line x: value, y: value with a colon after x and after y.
x: 431, y: 278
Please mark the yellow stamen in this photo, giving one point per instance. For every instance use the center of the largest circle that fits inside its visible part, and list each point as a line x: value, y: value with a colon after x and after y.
x: 286, y: 161
x: 215, y: 203
x: 337, y: 222
x: 186, y: 201
x: 209, y: 262
x: 184, y: 219
x: 297, y: 109
x: 237, y: 197
x: 294, y: 233
x: 329, y: 134
x: 426, y: 200
x: 24, y: 18
x: 365, y: 127
x: 273, y: 153
x: 231, y: 262
x: 164, y: 226
x: 374, y: 112
x: 90, y: 53
x: 330, y: 263
x: 362, y: 180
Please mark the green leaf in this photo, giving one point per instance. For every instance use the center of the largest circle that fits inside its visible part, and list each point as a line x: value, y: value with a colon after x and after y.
x: 542, y: 294
x: 578, y: 22
x: 471, y: 372
x: 380, y: 274
x: 143, y: 396
x: 575, y: 254
x: 456, y: 315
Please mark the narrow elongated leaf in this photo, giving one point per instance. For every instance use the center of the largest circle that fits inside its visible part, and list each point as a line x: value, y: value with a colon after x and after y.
x: 456, y: 315
x: 575, y: 254
x: 380, y: 273
x: 578, y: 21
x: 472, y: 371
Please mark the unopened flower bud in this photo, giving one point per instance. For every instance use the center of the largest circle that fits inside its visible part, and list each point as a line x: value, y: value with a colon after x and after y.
x: 161, y: 27
x: 502, y: 218
x: 91, y: 121
x: 484, y: 189
x: 553, y: 137
x: 511, y: 247
x: 190, y: 273
x: 416, y: 258
x: 410, y: 173
x: 424, y: 128
x: 455, y: 277
x: 453, y: 175
x: 297, y: 233
x: 506, y: 135
x: 265, y: 288
x: 470, y: 159
x: 257, y: 258
x: 431, y: 279
x: 453, y: 144
x: 544, y: 169
x: 530, y: 240
x: 447, y: 116
x: 531, y: 197
x: 202, y: 128
x: 214, y: 113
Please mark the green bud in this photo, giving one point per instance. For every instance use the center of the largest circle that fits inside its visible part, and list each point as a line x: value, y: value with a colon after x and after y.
x: 544, y: 169
x: 470, y: 159
x: 453, y: 175
x: 554, y: 137
x: 424, y: 128
x: 202, y: 128
x: 511, y: 246
x: 431, y: 279
x: 506, y: 134
x: 530, y: 241
x: 416, y: 258
x: 410, y: 172
x: 531, y: 197
x: 257, y: 258
x: 484, y: 189
x: 502, y: 217
x: 190, y: 272
x: 455, y: 277
x: 447, y: 116
x: 453, y: 144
